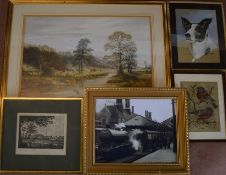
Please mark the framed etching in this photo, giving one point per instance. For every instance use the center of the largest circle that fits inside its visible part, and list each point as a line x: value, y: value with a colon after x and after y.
x: 56, y: 50
x: 197, y: 35
x: 41, y: 135
x: 136, y: 131
x: 206, y: 108
x: 30, y: 138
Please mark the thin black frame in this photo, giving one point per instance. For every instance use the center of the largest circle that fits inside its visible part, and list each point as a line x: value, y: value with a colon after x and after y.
x: 220, y: 29
x: 205, y: 72
x: 70, y: 163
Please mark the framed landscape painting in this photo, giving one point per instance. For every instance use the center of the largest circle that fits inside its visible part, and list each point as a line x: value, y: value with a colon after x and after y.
x: 127, y: 132
x: 57, y: 50
x: 206, y: 109
x: 41, y: 135
x: 197, y: 35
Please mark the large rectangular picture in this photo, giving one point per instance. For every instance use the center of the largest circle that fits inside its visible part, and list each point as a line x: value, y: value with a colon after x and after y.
x: 70, y: 53
x: 41, y: 134
x: 136, y: 130
x: 57, y: 50
x: 206, y: 112
x: 197, y: 33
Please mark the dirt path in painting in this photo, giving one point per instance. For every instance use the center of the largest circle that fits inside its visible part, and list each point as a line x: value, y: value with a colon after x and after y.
x: 78, y: 89
x: 38, y: 87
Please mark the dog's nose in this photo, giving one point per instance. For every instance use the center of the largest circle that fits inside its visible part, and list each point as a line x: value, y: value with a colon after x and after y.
x: 188, y: 35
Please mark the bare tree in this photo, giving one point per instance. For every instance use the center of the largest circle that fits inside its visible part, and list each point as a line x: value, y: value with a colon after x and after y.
x: 123, y: 49
x: 130, y: 55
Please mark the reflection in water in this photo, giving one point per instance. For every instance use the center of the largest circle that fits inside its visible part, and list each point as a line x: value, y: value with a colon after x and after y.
x: 40, y: 86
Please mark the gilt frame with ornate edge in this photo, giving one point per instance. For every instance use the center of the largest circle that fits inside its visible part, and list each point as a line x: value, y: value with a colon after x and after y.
x: 19, y: 9
x: 45, y: 136
x: 97, y: 163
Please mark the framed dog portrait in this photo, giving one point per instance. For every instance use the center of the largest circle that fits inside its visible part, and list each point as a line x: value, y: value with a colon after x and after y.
x: 56, y: 50
x: 136, y: 131
x: 197, y: 35
x: 206, y: 108
x: 41, y: 135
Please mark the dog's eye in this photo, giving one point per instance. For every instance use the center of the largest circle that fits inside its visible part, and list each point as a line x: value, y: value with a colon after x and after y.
x: 200, y: 29
x: 187, y: 35
x: 199, y: 36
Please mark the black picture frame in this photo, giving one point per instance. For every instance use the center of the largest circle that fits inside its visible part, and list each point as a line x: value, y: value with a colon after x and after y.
x: 217, y: 8
x: 199, y: 77
x: 70, y: 162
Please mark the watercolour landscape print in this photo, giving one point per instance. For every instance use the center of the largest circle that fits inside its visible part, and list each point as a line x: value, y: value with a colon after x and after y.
x: 63, y: 55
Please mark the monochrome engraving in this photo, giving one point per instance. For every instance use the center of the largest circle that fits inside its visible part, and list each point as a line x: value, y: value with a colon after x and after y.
x: 41, y: 134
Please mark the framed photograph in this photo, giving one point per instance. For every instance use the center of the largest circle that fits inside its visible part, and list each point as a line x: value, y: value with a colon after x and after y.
x: 197, y: 35
x: 140, y: 130
x: 206, y: 107
x: 41, y: 135
x: 56, y: 50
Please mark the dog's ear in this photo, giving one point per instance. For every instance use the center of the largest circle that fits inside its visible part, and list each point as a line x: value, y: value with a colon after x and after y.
x: 204, y: 24
x: 186, y: 23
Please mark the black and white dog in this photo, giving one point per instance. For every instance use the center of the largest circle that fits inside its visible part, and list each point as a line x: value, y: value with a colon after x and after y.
x: 197, y: 36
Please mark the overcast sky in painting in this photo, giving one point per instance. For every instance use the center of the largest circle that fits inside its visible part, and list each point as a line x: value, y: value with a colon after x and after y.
x: 63, y: 33
x: 161, y: 109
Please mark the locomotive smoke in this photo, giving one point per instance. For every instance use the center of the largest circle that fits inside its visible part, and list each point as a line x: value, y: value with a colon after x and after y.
x: 132, y: 138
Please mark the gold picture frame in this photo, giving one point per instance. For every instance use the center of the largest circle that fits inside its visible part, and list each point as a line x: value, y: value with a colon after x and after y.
x: 20, y: 11
x: 115, y: 117
x: 42, y: 130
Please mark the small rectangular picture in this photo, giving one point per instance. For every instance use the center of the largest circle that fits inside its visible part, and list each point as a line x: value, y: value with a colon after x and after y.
x: 197, y: 35
x: 41, y: 134
x: 135, y: 130
x: 203, y: 106
x: 205, y: 98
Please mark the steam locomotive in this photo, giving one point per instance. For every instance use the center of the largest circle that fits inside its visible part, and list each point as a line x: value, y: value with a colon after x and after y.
x: 113, y: 144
